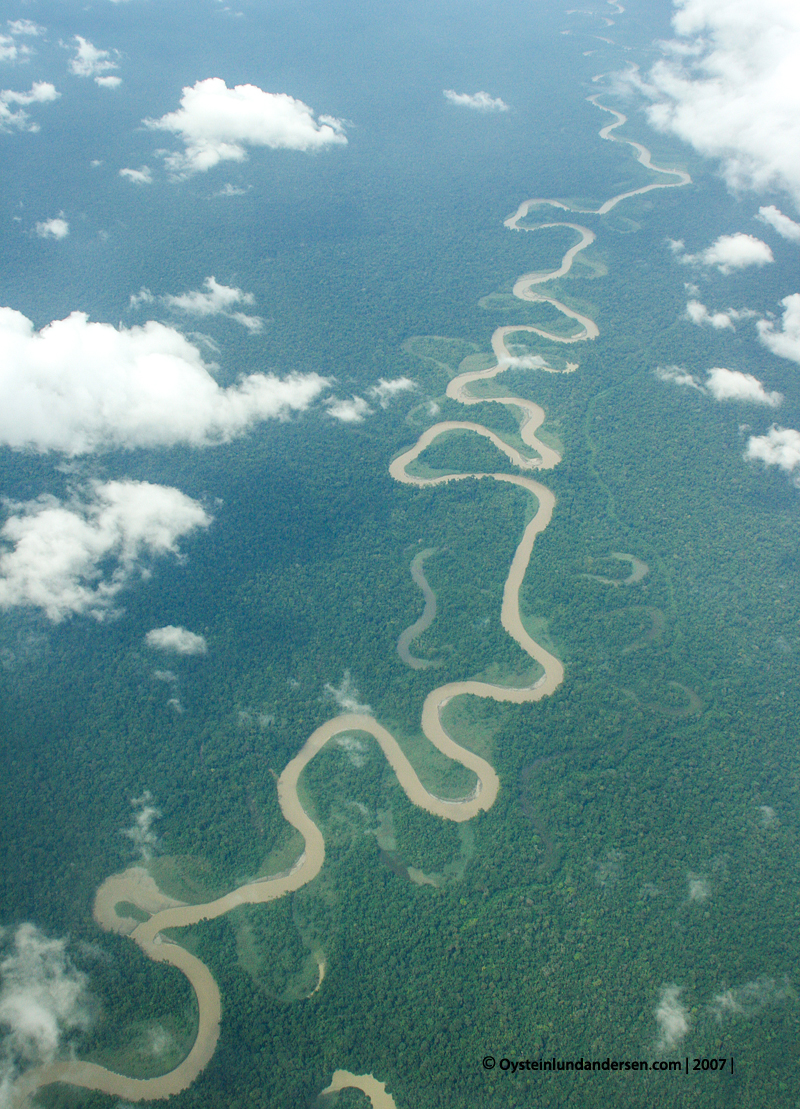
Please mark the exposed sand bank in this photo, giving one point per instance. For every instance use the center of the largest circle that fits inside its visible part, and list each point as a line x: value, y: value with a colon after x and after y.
x: 375, y: 1090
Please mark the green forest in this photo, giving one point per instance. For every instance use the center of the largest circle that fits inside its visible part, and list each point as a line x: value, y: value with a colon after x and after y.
x: 647, y: 829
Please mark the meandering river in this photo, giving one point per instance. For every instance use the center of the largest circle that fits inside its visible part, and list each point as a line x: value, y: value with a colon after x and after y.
x: 137, y: 887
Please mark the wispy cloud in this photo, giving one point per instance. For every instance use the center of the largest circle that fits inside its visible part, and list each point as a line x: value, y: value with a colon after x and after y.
x: 672, y: 1018
x: 218, y: 124
x: 24, y: 27
x: 699, y: 887
x: 141, y: 833
x: 786, y: 227
x: 477, y: 101
x: 44, y: 1000
x: 141, y: 176
x: 677, y: 375
x: 751, y: 998
x: 346, y: 696
x: 214, y: 300
x: 385, y: 391
x: 350, y: 411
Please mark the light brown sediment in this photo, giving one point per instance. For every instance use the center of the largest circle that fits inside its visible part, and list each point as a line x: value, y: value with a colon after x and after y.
x: 375, y: 1090
x: 137, y: 887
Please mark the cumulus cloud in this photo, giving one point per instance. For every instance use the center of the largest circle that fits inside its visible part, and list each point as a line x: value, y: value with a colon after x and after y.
x: 785, y: 227
x: 346, y: 696
x: 722, y: 385
x: 672, y: 1018
x: 350, y: 411
x: 699, y: 314
x: 728, y: 253
x: 729, y: 87
x: 385, y: 391
x: 176, y: 639
x: 77, y: 387
x: 217, y: 124
x: 141, y: 176
x: 77, y: 556
x: 733, y: 385
x: 141, y: 833
x: 57, y: 228
x: 43, y: 1001
x: 779, y: 447
x: 478, y: 101
x: 216, y: 300
x: 786, y: 341
x: 89, y: 61
x: 41, y: 92
x: 108, y: 82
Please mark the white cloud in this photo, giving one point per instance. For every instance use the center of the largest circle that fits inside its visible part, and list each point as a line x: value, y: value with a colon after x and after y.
x: 108, y: 82
x: 41, y: 92
x: 385, y: 391
x: 43, y: 999
x: 722, y: 384
x: 217, y: 300
x: 346, y: 696
x: 699, y: 887
x: 89, y: 61
x: 141, y: 832
x: 24, y: 27
x: 179, y: 640
x: 699, y: 314
x: 78, y: 387
x: 779, y: 447
x: 731, y: 88
x: 785, y: 227
x: 786, y: 342
x: 217, y: 124
x: 479, y: 101
x: 350, y: 411
x: 10, y: 51
x: 676, y: 375
x: 672, y: 1018
x: 141, y: 176
x: 728, y: 253
x: 231, y: 190
x: 733, y: 385
x: 749, y: 1000
x: 57, y: 228
x: 77, y: 556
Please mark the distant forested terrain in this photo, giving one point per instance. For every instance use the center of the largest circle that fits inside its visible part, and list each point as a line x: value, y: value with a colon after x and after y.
x: 647, y: 831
